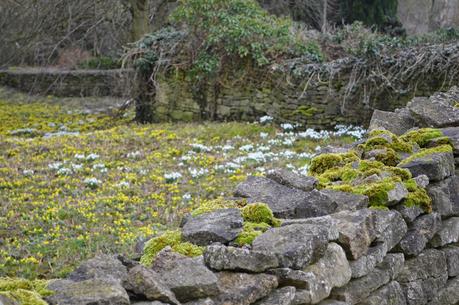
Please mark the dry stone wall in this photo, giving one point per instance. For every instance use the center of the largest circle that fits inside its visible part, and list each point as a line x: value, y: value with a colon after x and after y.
x: 68, y: 83
x: 316, y: 95
x: 330, y: 248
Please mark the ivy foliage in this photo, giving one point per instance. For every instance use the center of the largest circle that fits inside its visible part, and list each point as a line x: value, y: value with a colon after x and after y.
x: 213, y: 38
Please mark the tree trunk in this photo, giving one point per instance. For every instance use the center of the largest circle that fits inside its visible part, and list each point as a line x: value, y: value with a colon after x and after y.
x: 139, y: 11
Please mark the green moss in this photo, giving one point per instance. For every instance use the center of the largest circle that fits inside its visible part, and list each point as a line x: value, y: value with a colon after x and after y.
x: 378, y: 132
x: 377, y: 192
x: 259, y: 213
x: 377, y: 141
x: 307, y: 111
x: 419, y: 197
x: 426, y: 152
x: 207, y: 206
x: 188, y: 249
x: 324, y: 162
x: 250, y: 232
x: 24, y: 291
x: 421, y: 136
x: 24, y: 297
x: 389, y: 157
x: 172, y: 239
x: 403, y: 173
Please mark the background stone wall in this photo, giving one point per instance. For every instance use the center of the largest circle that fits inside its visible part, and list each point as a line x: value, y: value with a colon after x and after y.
x: 67, y: 83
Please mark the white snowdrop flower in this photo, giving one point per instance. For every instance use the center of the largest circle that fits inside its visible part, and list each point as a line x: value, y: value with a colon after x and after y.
x: 92, y: 182
x: 247, y: 147
x: 274, y: 142
x: 303, y: 170
x: 92, y: 157
x: 60, y: 134
x: 186, y: 157
x: 266, y: 119
x: 288, y: 142
x: 196, y: 173
x: 63, y: 171
x: 134, y: 155
x: 80, y: 156
x: 264, y: 148
x: 290, y: 166
x: 318, y: 148
x: 28, y: 172
x: 287, y: 126
x: 123, y: 184
x: 305, y: 155
x: 76, y: 167
x: 98, y: 166
x: 186, y: 197
x: 264, y: 135
x: 257, y: 156
x: 173, y: 176
x: 240, y: 159
x: 288, y: 154
x: 200, y: 148
x: 55, y: 165
x: 227, y: 148
x: 261, y: 169
x: 51, y: 124
x: 143, y: 172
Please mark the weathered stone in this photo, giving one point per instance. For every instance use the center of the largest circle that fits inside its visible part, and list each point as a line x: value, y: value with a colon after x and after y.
x: 316, y: 281
x: 394, y: 122
x: 393, y: 263
x: 221, y: 226
x: 291, y: 179
x: 436, y: 166
x: 282, y: 296
x: 410, y: 213
x: 188, y: 278
x: 453, y: 134
x: 332, y: 270
x: 149, y: 303
x: 367, y: 263
x: 445, y: 196
x: 420, y: 292
x: 100, y: 267
x: 7, y: 301
x: 390, y: 294
x: 285, y: 202
x: 326, y: 221
x: 359, y: 289
x: 243, y: 288
x: 347, y: 201
x: 397, y: 194
x: 356, y: 231
x: 449, y: 295
x: 422, y: 181
x: 423, y: 276
x: 296, y: 246
x: 390, y: 227
x: 146, y: 283
x: 219, y: 257
x: 449, y: 233
x: 206, y: 301
x: 430, y: 263
x: 452, y: 259
x: 87, y: 292
x: 420, y: 233
x: 437, y: 111
x: 332, y: 302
